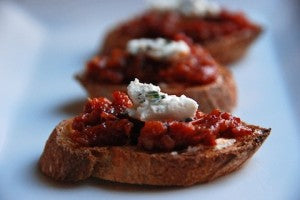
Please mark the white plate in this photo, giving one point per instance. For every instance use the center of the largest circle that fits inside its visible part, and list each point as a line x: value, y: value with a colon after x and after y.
x: 44, y: 44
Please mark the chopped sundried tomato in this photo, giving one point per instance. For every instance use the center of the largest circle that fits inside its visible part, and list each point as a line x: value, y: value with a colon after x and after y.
x: 121, y: 99
x: 99, y: 104
x: 151, y: 135
x: 105, y: 123
x: 119, y: 67
x: 204, y: 129
x: 100, y: 124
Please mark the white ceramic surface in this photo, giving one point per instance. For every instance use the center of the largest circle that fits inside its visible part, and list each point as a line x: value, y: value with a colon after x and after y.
x: 44, y: 43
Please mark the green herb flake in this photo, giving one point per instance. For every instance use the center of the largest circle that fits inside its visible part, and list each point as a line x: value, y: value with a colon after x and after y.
x: 154, y: 96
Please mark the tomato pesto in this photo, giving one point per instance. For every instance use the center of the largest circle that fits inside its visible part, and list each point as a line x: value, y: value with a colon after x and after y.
x: 155, y: 23
x: 109, y: 123
x: 154, y: 61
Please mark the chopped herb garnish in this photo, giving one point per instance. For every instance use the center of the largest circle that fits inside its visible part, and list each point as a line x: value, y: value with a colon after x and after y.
x: 154, y: 96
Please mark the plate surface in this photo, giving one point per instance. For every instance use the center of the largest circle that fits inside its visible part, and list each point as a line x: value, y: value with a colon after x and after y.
x: 43, y: 44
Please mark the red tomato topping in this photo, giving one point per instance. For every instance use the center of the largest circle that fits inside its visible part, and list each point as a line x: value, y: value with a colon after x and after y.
x: 204, y: 129
x: 102, y: 122
x: 200, y: 29
x: 152, y: 136
x: 106, y: 123
x: 101, y: 104
x: 121, y: 99
x: 198, y: 67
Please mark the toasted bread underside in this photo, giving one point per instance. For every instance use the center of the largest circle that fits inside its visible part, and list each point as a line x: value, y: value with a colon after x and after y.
x: 220, y: 94
x: 63, y: 161
x: 225, y: 50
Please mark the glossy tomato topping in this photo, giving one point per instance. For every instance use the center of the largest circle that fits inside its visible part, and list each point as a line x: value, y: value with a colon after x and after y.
x: 102, y: 123
x: 119, y: 67
x: 106, y: 123
x: 201, y: 29
x: 203, y: 130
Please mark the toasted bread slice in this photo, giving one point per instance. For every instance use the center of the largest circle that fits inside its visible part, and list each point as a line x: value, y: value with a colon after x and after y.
x: 231, y: 48
x: 225, y: 50
x: 220, y: 94
x: 64, y: 161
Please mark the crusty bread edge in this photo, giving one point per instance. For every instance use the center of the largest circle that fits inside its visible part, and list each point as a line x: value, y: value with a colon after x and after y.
x: 63, y: 161
x: 221, y: 94
x: 229, y: 49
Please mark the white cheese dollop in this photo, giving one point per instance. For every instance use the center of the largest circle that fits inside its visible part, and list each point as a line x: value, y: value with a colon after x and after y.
x: 223, y: 143
x: 157, y: 48
x: 152, y: 104
x: 200, y: 8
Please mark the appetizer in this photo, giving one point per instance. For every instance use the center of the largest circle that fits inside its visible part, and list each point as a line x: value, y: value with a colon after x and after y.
x: 149, y: 137
x: 178, y: 66
x: 225, y: 34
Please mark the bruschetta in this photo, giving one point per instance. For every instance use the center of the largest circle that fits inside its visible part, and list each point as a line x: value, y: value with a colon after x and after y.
x: 151, y: 138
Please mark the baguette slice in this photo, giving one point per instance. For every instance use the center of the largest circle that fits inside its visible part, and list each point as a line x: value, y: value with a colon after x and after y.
x: 220, y: 94
x: 62, y: 160
x: 231, y: 48
x: 225, y: 50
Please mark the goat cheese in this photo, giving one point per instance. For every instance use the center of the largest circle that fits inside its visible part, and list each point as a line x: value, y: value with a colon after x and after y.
x: 224, y: 143
x: 149, y: 103
x: 200, y: 8
x: 157, y: 48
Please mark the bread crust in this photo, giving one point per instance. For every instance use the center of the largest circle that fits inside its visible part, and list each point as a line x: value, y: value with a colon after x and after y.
x: 229, y: 49
x: 225, y: 50
x: 221, y: 94
x: 63, y: 161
